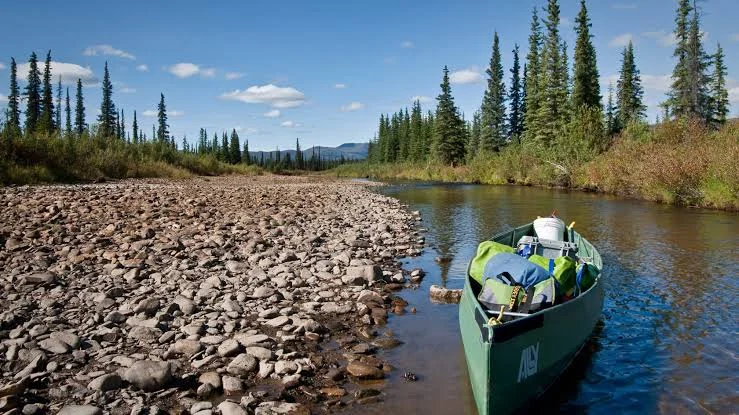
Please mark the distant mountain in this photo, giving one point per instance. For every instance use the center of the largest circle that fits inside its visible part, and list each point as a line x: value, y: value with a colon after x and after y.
x: 354, y: 151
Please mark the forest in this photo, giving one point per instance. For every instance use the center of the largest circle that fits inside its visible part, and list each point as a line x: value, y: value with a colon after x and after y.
x: 551, y: 126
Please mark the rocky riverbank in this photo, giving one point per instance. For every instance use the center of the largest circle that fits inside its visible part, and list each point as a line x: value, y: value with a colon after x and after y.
x: 229, y: 295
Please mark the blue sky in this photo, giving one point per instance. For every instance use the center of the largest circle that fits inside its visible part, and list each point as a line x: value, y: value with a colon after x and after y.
x: 322, y: 71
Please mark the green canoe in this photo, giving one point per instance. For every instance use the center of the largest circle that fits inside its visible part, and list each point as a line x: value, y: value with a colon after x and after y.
x: 513, y: 363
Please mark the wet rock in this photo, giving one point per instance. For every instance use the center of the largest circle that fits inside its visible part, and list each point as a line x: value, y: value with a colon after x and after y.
x: 364, y: 371
x: 444, y: 295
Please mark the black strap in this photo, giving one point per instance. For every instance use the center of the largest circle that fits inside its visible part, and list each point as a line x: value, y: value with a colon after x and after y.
x: 508, y: 277
x: 526, y: 306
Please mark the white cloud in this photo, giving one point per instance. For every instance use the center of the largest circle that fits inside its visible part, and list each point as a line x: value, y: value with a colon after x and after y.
x: 289, y: 124
x: 107, y: 50
x: 154, y: 113
x: 421, y: 98
x: 621, y: 40
x: 389, y: 60
x: 340, y: 86
x: 624, y: 6
x: 69, y: 72
x: 277, y: 97
x: 663, y: 38
x: 352, y: 106
x: 127, y: 90
x: 651, y: 83
x: 142, y: 68
x: 272, y: 114
x: 2, y: 66
x: 470, y: 75
x: 230, y: 76
x: 3, y: 98
x: 247, y: 130
x: 566, y: 22
x: 186, y: 70
x: 406, y: 44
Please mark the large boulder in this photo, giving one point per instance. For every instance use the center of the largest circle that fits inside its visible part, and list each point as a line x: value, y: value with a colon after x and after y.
x: 149, y: 375
x: 362, y: 275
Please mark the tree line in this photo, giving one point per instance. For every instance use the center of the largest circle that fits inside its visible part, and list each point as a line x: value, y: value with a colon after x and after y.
x: 52, y: 119
x: 552, y: 107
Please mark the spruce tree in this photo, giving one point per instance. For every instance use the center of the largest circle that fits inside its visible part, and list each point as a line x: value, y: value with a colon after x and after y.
x: 493, y: 132
x: 58, y: 123
x: 33, y: 95
x: 474, y: 143
x: 515, y: 99
x: 551, y: 115
x: 107, y: 117
x: 298, y: 154
x: 416, y: 132
x: 122, y: 129
x: 225, y: 154
x: 68, y: 113
x: 135, y: 128
x: 719, y: 93
x: 162, y: 133
x: 586, y: 86
x: 679, y: 95
x: 629, y: 93
x: 532, y: 70
x: 246, y: 158
x: 215, y: 147
x: 235, y: 156
x: 611, y: 121
x: 79, y: 111
x: 449, y: 132
x: 698, y: 63
x: 46, y: 121
x: 14, y: 100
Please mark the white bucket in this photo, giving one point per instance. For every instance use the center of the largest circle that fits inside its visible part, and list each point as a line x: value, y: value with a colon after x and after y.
x: 550, y: 228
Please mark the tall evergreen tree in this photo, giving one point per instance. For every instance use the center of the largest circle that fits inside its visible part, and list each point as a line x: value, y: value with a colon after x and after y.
x: 215, y: 147
x: 586, y: 86
x: 449, y: 131
x: 135, y: 128
x: 698, y: 63
x: 719, y: 93
x: 474, y: 143
x: 630, y: 93
x: 122, y: 129
x: 58, y: 123
x: 611, y: 120
x: 107, y: 117
x: 298, y: 155
x: 162, y: 133
x: 553, y: 89
x: 235, y: 157
x: 68, y: 113
x: 532, y: 67
x: 416, y: 132
x: 679, y: 95
x: 515, y: 99
x: 246, y: 158
x: 225, y: 154
x: 493, y: 133
x: 79, y: 111
x: 46, y: 121
x: 14, y: 100
x: 33, y: 95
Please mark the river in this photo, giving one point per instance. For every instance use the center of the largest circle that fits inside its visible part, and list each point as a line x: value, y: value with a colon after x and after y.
x: 667, y: 338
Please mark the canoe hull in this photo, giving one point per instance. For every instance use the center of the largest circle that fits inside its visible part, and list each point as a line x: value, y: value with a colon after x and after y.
x: 510, y: 365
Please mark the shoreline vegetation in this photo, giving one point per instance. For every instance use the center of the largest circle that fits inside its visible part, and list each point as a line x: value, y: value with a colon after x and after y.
x: 549, y: 124
x: 680, y: 163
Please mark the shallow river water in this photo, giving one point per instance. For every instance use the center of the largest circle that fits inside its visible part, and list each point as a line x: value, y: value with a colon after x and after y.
x: 667, y: 339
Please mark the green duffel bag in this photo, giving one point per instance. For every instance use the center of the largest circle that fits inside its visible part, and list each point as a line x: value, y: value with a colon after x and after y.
x: 564, y: 270
x: 495, y: 294
x: 586, y: 275
x: 485, y: 251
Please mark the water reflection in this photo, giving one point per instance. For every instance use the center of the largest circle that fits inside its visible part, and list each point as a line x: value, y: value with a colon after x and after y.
x: 666, y: 342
